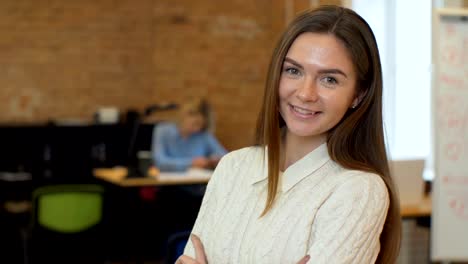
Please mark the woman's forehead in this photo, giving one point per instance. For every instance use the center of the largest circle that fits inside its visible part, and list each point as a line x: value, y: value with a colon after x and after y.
x: 320, y: 50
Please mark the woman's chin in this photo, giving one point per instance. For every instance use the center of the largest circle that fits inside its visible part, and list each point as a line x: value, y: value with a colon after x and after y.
x: 304, y: 132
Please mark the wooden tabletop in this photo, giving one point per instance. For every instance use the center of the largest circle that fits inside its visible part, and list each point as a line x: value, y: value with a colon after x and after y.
x: 119, y: 177
x: 422, y: 209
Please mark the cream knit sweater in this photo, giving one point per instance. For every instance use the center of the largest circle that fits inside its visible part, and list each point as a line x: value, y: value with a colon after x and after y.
x: 333, y: 214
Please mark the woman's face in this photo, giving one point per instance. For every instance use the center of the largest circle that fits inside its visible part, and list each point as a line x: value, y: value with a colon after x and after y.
x: 317, y: 85
x: 193, y: 123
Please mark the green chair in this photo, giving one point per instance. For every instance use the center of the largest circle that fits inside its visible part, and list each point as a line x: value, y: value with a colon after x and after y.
x: 66, y: 223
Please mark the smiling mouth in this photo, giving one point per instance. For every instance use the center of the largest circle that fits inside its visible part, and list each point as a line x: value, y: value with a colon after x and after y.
x: 303, y: 111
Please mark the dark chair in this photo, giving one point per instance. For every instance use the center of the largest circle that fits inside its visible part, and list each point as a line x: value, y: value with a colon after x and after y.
x: 15, y: 212
x: 175, y: 245
x: 65, y: 225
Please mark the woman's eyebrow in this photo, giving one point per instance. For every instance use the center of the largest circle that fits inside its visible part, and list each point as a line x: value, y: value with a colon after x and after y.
x: 295, y: 63
x: 333, y: 71
x: 323, y: 71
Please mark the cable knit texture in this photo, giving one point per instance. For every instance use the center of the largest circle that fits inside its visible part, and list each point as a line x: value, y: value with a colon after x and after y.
x: 333, y: 214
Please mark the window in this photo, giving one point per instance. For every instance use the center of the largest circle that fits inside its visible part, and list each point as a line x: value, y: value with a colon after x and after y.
x: 403, y: 32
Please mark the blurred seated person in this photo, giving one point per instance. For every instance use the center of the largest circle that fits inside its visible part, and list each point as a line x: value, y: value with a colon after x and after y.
x: 188, y: 142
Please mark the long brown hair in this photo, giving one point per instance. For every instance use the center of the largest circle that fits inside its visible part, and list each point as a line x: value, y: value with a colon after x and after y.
x: 357, y: 141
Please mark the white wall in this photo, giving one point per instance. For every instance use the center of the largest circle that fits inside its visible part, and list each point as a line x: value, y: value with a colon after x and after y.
x: 413, y: 79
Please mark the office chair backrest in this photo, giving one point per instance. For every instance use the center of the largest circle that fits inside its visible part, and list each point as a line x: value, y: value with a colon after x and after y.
x: 176, y: 244
x: 68, y: 208
x: 408, y: 177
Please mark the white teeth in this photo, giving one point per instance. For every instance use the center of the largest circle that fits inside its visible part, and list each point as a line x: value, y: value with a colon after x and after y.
x: 303, y: 111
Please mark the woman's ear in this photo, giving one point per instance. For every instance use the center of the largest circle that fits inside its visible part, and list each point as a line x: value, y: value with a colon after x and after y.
x: 358, y: 99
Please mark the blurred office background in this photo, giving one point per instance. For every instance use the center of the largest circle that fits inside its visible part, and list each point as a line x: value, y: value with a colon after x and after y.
x: 61, y: 62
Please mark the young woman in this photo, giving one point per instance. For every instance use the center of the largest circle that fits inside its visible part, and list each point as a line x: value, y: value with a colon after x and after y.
x: 317, y: 185
x: 187, y: 143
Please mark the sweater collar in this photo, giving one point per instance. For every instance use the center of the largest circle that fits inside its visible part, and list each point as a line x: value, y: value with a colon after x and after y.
x: 298, y: 170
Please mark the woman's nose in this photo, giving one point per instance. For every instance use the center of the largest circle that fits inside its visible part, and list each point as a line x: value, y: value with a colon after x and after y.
x: 308, y: 92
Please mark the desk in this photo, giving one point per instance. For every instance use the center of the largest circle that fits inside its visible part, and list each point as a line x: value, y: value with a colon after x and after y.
x: 137, y: 217
x: 118, y: 176
x: 416, y: 232
x: 424, y: 209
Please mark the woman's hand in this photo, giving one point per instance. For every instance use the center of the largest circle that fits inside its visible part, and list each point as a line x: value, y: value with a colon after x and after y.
x: 200, y: 162
x: 214, y: 160
x: 304, y: 260
x: 200, y: 257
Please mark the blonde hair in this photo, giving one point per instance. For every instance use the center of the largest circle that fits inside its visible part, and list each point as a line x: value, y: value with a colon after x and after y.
x: 197, y: 106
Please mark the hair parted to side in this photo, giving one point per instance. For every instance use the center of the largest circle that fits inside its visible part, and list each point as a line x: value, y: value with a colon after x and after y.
x: 357, y: 141
x: 197, y: 106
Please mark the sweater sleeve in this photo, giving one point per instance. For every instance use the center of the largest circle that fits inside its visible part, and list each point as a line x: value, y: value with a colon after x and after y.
x: 210, y: 206
x: 347, y: 226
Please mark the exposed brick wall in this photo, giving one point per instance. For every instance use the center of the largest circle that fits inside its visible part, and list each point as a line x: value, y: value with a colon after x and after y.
x: 64, y: 59
x: 217, y: 51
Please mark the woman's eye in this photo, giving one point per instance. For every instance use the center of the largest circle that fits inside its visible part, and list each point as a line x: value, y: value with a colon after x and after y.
x: 330, y: 80
x: 292, y: 71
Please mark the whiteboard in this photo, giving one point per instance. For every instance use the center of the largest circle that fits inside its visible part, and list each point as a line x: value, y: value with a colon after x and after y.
x: 450, y: 119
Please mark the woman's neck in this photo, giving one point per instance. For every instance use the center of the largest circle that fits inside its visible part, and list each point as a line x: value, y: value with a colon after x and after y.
x: 294, y: 148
